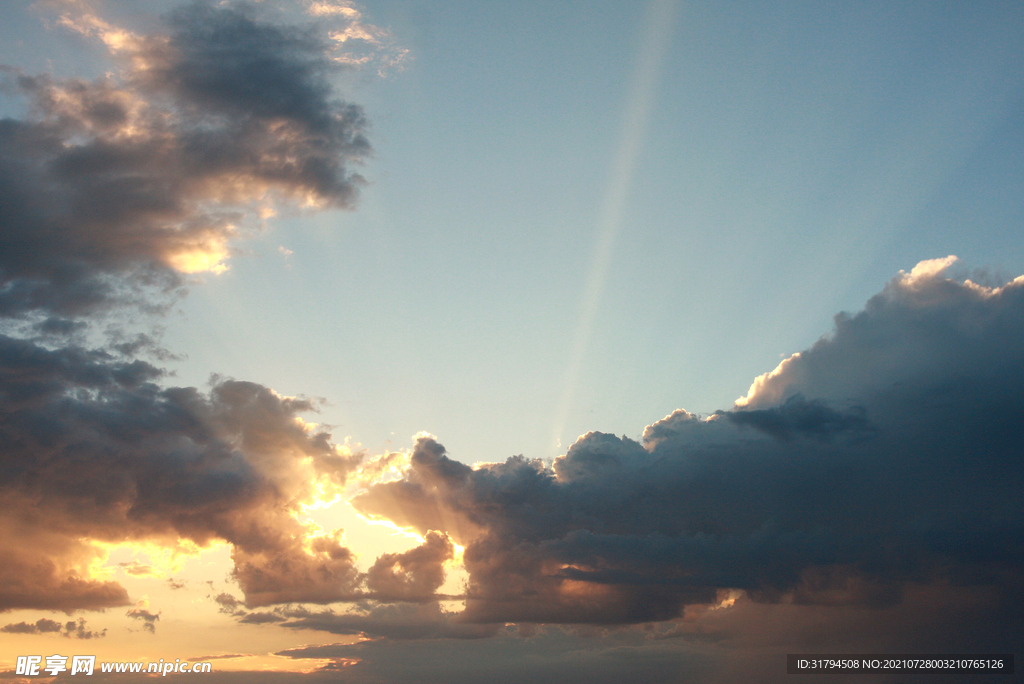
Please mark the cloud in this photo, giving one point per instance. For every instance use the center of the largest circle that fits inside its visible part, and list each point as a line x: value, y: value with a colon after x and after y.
x: 138, y: 569
x: 141, y: 612
x: 41, y: 626
x: 286, y: 572
x: 357, y: 42
x: 414, y: 575
x: 800, y: 417
x: 46, y: 569
x: 92, y: 449
x: 880, y: 463
x: 111, y: 189
x: 221, y: 656
x: 78, y: 630
x: 922, y: 326
x: 229, y: 604
x: 401, y: 621
x: 257, y: 618
x: 556, y: 655
x: 71, y: 629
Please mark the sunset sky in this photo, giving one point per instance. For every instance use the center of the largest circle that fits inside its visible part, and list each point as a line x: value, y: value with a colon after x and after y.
x: 473, y: 341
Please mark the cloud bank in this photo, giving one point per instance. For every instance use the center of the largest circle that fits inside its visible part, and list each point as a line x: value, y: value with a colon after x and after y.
x: 880, y: 463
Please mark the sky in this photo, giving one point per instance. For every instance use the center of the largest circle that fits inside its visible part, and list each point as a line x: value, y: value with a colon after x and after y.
x: 448, y: 341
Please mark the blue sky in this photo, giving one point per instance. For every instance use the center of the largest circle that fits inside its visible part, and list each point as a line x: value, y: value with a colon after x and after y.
x: 791, y: 162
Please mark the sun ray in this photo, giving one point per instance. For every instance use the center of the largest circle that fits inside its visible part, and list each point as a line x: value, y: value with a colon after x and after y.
x: 654, y: 44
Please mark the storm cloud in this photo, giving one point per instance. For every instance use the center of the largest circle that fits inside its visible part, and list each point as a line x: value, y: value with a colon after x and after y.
x: 883, y: 460
x: 110, y: 189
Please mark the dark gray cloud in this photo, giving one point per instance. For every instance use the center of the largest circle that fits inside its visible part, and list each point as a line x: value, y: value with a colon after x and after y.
x: 885, y: 459
x: 77, y: 630
x: 149, y: 619
x: 111, y: 188
x: 800, y: 417
x: 92, y: 448
x: 229, y: 604
x: 42, y: 569
x: 865, y: 493
x: 415, y: 575
x: 72, y: 629
x: 399, y: 621
x: 554, y: 655
x: 41, y: 626
x: 746, y: 641
x: 258, y: 618
x: 285, y: 572
x: 138, y: 569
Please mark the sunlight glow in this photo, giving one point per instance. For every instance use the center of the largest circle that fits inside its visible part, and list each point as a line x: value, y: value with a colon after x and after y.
x: 758, y: 387
x: 926, y: 270
x: 113, y: 37
x: 144, y: 558
x: 992, y: 291
x: 727, y: 598
x: 327, y: 9
x: 209, y: 256
x: 578, y: 590
x: 324, y: 494
x: 386, y: 467
x: 396, y: 531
